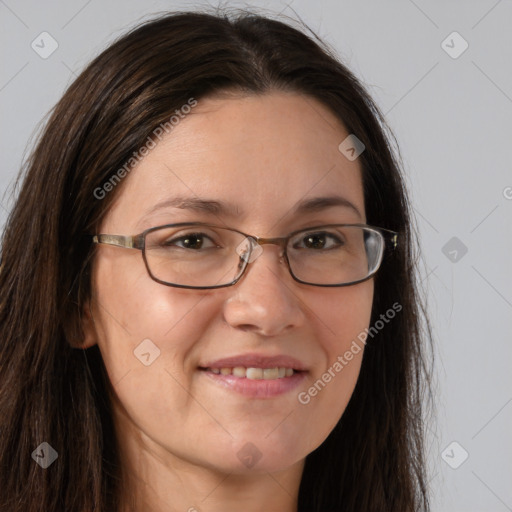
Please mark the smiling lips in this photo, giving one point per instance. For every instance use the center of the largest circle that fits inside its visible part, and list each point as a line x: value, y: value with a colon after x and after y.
x: 256, y: 375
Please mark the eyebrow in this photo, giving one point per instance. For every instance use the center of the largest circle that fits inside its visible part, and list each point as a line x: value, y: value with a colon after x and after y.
x: 199, y: 205
x: 322, y: 203
x: 225, y: 209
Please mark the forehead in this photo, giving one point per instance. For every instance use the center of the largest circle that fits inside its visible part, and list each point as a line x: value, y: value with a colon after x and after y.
x: 262, y: 154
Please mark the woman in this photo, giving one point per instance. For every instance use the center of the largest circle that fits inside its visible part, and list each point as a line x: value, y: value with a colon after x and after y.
x: 207, y: 283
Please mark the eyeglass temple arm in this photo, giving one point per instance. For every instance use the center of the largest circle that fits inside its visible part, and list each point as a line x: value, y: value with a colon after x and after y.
x: 129, y: 242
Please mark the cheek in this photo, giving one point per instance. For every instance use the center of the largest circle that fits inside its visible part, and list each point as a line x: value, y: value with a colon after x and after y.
x: 342, y: 315
x: 148, y: 335
x: 341, y: 320
x: 142, y: 324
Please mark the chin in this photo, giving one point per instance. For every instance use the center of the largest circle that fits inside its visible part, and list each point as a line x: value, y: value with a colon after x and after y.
x: 266, y: 464
x: 266, y: 453
x: 251, y: 455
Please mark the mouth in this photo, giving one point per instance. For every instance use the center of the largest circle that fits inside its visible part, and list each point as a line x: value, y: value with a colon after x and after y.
x: 242, y: 372
x: 256, y: 376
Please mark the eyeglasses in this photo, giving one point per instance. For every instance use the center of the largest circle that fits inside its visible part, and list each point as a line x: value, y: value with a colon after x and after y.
x: 204, y: 256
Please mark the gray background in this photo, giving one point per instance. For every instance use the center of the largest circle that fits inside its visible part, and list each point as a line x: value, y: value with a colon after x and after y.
x: 452, y: 118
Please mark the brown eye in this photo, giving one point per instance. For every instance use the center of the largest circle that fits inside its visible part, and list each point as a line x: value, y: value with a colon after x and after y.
x: 320, y: 240
x: 194, y: 241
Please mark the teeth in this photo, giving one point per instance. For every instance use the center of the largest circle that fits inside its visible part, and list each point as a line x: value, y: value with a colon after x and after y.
x: 271, y: 373
x: 239, y: 371
x: 255, y: 373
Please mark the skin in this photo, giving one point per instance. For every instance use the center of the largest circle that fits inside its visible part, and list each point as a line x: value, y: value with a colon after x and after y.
x: 179, y: 433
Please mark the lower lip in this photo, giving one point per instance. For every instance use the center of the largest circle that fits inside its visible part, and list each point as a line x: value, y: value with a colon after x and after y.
x: 257, y: 388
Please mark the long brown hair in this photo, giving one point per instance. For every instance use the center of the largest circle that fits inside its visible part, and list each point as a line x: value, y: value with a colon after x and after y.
x: 52, y: 391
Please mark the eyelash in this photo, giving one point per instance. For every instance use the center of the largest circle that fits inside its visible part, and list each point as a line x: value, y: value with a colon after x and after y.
x: 174, y: 241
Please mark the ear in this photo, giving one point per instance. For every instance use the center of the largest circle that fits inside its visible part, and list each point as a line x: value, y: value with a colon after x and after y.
x: 88, y: 327
x: 81, y: 331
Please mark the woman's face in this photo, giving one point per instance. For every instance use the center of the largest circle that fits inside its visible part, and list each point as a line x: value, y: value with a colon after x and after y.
x: 260, y: 158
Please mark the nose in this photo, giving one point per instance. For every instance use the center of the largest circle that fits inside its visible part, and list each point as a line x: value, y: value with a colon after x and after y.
x: 264, y: 300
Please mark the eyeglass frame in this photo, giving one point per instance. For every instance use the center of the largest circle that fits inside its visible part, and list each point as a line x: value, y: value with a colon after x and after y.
x: 138, y: 241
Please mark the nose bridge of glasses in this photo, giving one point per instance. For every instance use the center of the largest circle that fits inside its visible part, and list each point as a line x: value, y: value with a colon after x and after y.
x: 280, y: 241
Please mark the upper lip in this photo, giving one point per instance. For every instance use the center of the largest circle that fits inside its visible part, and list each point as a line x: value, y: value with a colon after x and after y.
x: 256, y: 361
